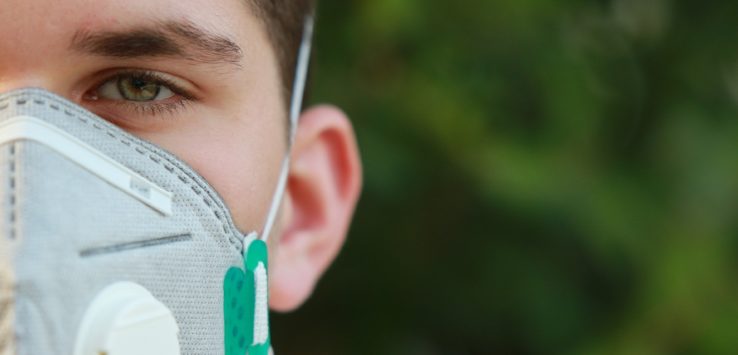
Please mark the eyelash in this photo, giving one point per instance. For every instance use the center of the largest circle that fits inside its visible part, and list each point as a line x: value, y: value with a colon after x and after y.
x: 154, y: 109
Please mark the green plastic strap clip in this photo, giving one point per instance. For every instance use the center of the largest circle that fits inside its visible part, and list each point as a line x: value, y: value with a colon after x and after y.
x: 246, y: 305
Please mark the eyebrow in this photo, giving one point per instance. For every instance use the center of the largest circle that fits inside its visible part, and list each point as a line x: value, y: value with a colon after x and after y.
x: 168, y: 39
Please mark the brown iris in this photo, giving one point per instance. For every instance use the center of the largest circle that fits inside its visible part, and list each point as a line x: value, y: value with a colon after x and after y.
x: 138, y: 89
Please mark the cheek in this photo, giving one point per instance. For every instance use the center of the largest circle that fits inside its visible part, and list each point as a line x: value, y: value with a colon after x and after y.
x: 240, y: 157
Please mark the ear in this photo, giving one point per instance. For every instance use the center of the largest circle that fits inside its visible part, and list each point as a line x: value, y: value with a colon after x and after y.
x: 322, y: 191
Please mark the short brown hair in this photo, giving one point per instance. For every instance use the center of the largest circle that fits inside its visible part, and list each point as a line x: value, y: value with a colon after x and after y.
x: 283, y: 20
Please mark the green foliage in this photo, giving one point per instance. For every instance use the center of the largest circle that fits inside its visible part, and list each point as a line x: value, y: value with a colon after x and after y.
x: 541, y: 177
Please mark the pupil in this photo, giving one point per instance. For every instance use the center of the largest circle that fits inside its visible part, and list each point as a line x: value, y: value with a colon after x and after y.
x: 139, y: 84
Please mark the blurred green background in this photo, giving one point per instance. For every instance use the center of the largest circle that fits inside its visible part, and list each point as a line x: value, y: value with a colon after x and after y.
x: 541, y: 177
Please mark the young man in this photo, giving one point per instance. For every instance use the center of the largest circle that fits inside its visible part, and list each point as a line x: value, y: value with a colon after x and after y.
x: 211, y: 82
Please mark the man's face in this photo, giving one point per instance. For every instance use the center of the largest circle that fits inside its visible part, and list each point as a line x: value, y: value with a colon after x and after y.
x: 197, y: 77
x: 200, y: 79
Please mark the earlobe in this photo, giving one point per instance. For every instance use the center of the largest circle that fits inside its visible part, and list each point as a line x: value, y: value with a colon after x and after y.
x: 322, y: 191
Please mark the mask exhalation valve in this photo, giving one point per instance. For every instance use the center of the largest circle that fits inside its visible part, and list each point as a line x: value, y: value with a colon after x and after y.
x: 126, y: 319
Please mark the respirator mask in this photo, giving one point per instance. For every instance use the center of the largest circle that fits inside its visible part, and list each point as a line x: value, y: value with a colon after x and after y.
x: 110, y: 245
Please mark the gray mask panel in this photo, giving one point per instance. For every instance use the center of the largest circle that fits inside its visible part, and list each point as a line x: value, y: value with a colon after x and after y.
x: 68, y: 231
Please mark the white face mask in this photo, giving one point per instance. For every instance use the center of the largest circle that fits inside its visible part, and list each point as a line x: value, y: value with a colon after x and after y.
x: 110, y: 245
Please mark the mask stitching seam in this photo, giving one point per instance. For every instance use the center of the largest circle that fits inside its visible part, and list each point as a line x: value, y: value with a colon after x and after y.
x: 182, y: 175
x: 7, y: 316
x: 12, y: 210
x: 6, y: 301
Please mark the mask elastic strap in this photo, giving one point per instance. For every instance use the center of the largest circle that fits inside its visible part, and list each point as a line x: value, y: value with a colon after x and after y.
x: 298, y: 91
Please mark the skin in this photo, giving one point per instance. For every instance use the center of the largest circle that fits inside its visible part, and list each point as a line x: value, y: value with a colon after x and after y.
x: 227, y: 118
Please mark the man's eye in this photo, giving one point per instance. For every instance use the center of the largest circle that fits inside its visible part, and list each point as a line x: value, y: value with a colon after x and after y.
x: 134, y: 88
x: 131, y: 97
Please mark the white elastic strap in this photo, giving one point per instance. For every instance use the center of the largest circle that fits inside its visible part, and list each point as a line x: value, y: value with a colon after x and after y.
x: 303, y: 64
x: 298, y: 91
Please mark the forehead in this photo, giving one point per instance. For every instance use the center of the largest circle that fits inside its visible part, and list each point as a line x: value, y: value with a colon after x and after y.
x: 55, y: 12
x: 29, y: 21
